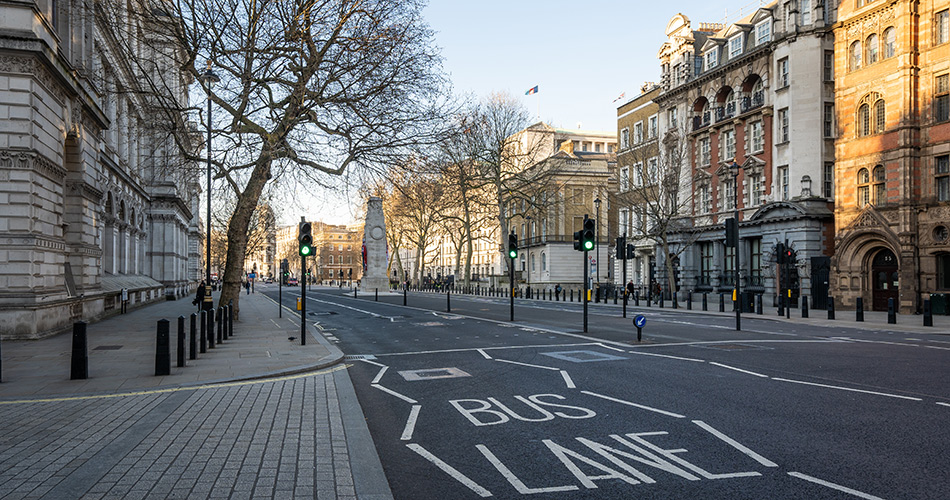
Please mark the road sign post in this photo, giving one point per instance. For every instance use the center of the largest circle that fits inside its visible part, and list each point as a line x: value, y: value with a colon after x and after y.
x: 640, y: 321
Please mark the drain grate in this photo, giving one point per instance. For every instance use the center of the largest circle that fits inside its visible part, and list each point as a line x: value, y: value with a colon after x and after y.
x: 108, y: 348
x: 432, y: 373
x: 732, y: 347
x: 357, y: 357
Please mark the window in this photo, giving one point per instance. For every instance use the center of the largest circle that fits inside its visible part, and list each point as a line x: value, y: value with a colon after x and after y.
x: 654, y: 170
x: 672, y: 115
x: 755, y: 261
x: 870, y: 48
x: 828, y: 121
x: 783, y: 124
x: 624, y: 179
x: 729, y: 265
x: 943, y: 271
x: 864, y: 190
x: 727, y: 192
x: 712, y: 58
x: 757, y: 193
x: 705, y: 199
x: 638, y: 175
x: 829, y: 69
x: 704, y: 156
x: 653, y: 128
x: 805, y: 7
x: 763, y: 32
x: 727, y: 145
x: 879, y: 189
x: 735, y: 46
x: 544, y: 262
x: 331, y: 259
x: 854, y: 59
x: 783, y: 182
x: 890, y: 42
x: 942, y: 98
x: 705, y: 262
x: 732, y: 102
x: 942, y: 177
x: 942, y: 26
x: 783, y: 72
x: 624, y: 221
x: 637, y: 133
x: 828, y: 180
x: 624, y: 138
x: 864, y: 120
x: 879, y: 116
x: 756, y: 137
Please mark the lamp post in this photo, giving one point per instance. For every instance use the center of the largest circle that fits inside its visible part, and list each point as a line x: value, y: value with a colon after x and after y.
x: 734, y: 167
x: 597, y: 238
x: 208, y: 78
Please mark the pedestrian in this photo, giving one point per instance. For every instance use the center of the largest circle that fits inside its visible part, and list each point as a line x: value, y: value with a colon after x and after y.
x: 557, y: 292
x: 247, y: 286
x: 200, y: 295
x: 657, y: 292
x: 630, y: 288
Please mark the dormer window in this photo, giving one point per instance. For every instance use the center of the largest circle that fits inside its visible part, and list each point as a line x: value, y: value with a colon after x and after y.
x: 735, y: 46
x: 712, y: 58
x: 763, y: 32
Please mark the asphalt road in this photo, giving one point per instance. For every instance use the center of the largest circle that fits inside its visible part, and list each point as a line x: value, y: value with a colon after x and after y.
x: 468, y: 404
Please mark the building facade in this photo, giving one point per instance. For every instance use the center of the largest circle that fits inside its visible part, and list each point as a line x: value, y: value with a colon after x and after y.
x: 753, y: 101
x: 892, y: 72
x: 96, y: 198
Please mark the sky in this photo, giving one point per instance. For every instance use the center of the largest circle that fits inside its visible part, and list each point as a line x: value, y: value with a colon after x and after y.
x: 582, y: 55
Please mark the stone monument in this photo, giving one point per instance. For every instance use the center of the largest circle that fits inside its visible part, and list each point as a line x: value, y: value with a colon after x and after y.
x: 375, y: 249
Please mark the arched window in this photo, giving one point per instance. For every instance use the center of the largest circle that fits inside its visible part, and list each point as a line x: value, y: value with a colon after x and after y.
x: 890, y: 42
x: 871, y: 47
x: 731, y: 100
x: 864, y: 189
x: 331, y: 259
x: 532, y: 263
x: 877, y: 176
x: 864, y: 120
x: 544, y: 262
x: 854, y: 62
x: 879, y: 116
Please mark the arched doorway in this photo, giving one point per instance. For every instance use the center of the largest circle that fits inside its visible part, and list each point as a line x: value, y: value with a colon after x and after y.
x: 884, y: 280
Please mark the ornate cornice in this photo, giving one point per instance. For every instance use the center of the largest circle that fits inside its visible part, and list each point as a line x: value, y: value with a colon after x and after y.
x: 31, y: 160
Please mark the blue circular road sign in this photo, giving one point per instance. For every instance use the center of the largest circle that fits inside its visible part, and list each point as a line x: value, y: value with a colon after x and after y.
x: 640, y: 321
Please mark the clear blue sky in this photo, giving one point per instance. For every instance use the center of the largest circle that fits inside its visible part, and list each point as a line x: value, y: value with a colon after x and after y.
x: 581, y: 54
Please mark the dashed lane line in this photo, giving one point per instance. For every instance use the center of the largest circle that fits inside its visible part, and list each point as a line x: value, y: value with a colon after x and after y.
x: 847, y: 389
x: 528, y: 365
x: 738, y: 369
x: 629, y: 403
x: 448, y: 469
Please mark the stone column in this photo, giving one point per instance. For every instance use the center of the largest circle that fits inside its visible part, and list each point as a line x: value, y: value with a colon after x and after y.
x: 374, y: 238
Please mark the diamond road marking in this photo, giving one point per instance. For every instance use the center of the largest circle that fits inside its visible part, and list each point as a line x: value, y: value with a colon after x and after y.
x: 582, y: 356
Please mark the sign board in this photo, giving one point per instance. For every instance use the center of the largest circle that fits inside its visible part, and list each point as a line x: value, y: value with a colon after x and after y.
x: 640, y: 321
x: 252, y: 275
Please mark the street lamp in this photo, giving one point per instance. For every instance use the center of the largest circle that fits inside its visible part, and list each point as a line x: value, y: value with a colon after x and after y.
x: 597, y: 237
x: 208, y: 78
x: 734, y: 167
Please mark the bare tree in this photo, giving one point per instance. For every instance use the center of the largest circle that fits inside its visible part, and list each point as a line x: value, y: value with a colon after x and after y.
x: 322, y: 85
x: 417, y: 203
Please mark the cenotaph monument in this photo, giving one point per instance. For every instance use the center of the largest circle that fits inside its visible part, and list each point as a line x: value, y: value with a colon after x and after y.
x: 375, y: 249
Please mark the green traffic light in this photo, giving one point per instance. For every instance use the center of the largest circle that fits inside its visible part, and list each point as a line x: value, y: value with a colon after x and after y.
x: 305, y: 250
x: 513, y: 253
x: 589, y: 245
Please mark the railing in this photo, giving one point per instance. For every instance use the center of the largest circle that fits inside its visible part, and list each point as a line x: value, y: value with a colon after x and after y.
x: 756, y: 100
x: 701, y: 121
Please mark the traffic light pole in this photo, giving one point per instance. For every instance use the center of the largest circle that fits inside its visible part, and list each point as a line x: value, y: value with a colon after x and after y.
x: 586, y: 275
x: 511, y: 292
x: 623, y: 282
x: 303, y: 302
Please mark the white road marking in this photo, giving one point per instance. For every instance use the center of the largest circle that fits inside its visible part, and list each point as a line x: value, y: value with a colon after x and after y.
x: 441, y: 351
x: 394, y: 393
x: 567, y: 380
x: 513, y: 479
x: 411, y: 423
x: 448, y: 469
x: 941, y: 403
x: 834, y: 486
x: 275, y: 323
x: 712, y: 342
x: 372, y: 363
x: 846, y: 389
x: 379, y: 375
x: 666, y: 356
x: 738, y: 369
x: 612, y: 348
x: 484, y: 354
x: 529, y: 365
x: 642, y: 407
x: 735, y: 444
x: 896, y: 343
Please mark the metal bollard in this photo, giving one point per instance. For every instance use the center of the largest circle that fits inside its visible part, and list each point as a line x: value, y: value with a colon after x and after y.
x: 804, y: 306
x: 405, y: 295
x: 448, y: 301
x: 661, y: 301
x: 79, y: 363
x: 354, y: 293
x: 891, y: 313
x: 758, y: 304
x: 689, y: 300
x: 181, y: 341
x: 572, y: 295
x: 675, y: 302
x: 230, y: 319
x: 928, y: 314
x: 781, y: 305
x: 615, y: 297
x: 705, y: 302
x: 211, y: 328
x: 636, y: 299
x: 203, y: 337
x: 218, y: 312
x: 193, y: 337
x: 376, y: 295
x: 163, y: 357
x: 831, y: 308
x: 859, y: 309
x: 722, y: 302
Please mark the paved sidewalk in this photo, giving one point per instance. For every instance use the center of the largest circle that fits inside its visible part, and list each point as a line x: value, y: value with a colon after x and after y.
x: 258, y: 416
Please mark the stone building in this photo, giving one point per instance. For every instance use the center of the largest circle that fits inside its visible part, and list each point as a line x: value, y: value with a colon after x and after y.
x: 336, y: 248
x: 96, y: 198
x: 892, y: 86
x: 754, y: 103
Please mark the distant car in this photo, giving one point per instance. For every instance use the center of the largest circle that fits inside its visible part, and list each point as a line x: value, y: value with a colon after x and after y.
x: 268, y: 280
x: 292, y: 282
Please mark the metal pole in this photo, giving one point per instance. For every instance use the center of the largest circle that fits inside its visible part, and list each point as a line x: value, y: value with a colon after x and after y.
x: 208, y: 236
x: 511, y: 298
x: 303, y: 301
x: 280, y: 292
x: 738, y: 302
x: 586, y: 275
x: 624, y: 281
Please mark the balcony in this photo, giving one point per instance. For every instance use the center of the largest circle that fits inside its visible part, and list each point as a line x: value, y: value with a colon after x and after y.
x: 700, y: 122
x: 722, y: 113
x: 751, y: 102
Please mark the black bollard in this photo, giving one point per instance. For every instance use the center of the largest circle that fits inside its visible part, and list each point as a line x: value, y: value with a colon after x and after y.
x: 163, y: 357
x: 705, y: 302
x: 781, y: 305
x: 448, y: 301
x: 572, y: 295
x: 804, y: 306
x: 230, y: 319
x: 689, y: 300
x: 79, y: 364
x: 661, y: 300
x: 193, y: 337
x: 758, y: 304
x: 211, y: 328
x: 831, y: 308
x: 219, y: 312
x: 859, y: 309
x: 354, y: 292
x: 675, y: 304
x: 224, y: 322
x: 722, y: 302
x: 203, y: 337
x: 928, y: 314
x: 891, y: 314
x: 181, y: 341
x: 376, y: 295
x: 615, y: 297
x: 636, y: 299
x: 405, y: 295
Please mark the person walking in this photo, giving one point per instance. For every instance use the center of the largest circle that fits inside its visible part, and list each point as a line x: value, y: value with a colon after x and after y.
x: 199, y: 295
x: 247, y: 286
x: 557, y: 292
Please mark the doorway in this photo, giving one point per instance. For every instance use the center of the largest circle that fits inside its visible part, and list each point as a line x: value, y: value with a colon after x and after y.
x: 884, y: 280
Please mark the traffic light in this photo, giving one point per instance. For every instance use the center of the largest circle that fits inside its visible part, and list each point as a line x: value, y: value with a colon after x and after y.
x: 587, y: 235
x: 577, y: 240
x: 631, y: 251
x: 512, y: 245
x: 621, y: 248
x: 732, y: 232
x: 351, y: 273
x: 305, y: 239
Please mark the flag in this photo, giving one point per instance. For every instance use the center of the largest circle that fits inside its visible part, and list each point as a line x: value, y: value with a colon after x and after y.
x: 532, y: 90
x: 622, y: 94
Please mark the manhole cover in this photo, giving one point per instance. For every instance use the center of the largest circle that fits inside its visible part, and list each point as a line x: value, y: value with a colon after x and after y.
x: 432, y: 373
x: 108, y: 348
